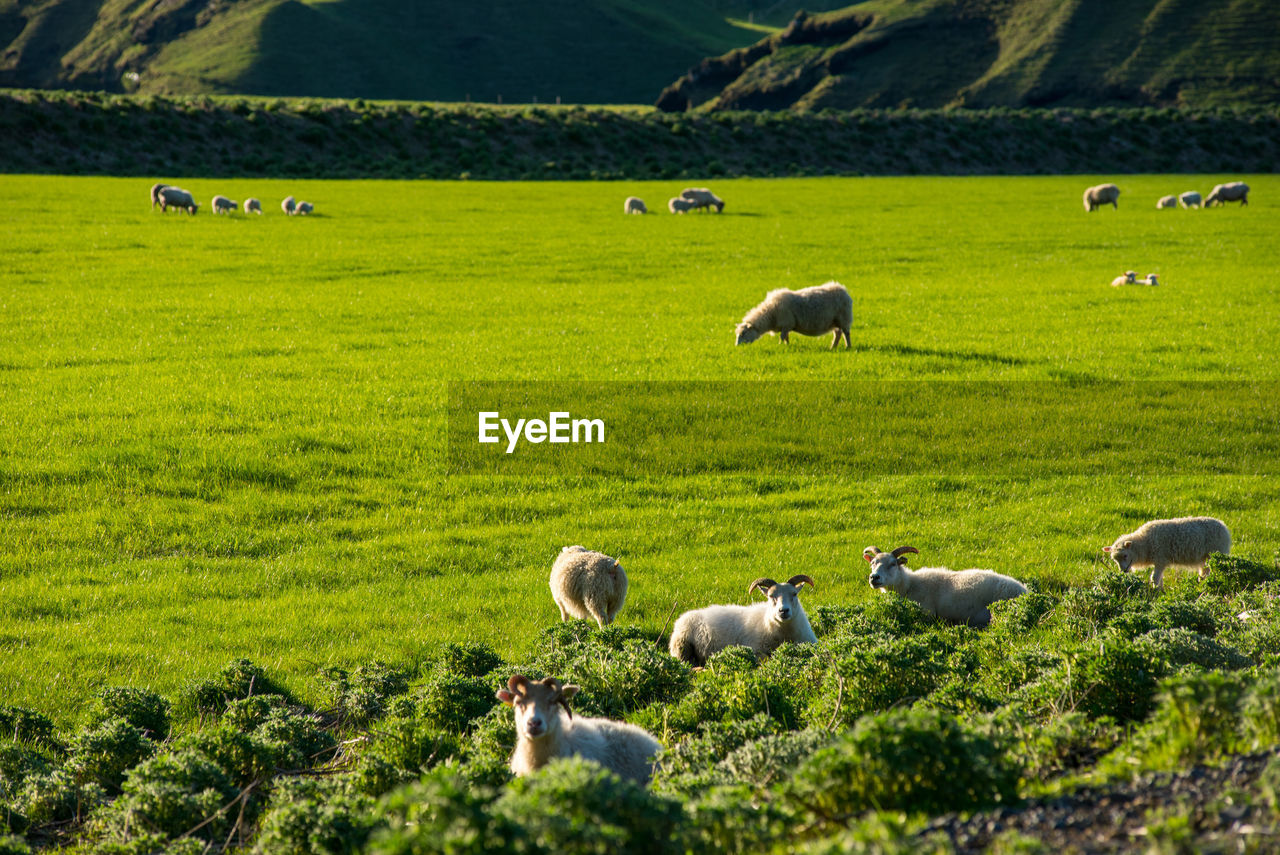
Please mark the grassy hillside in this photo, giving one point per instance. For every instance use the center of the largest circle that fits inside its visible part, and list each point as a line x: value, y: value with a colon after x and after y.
x: 935, y: 53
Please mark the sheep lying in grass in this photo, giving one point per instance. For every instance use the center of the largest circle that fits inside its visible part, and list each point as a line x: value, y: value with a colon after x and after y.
x: 961, y: 596
x: 588, y: 584
x: 1167, y: 202
x: 1150, y: 279
x: 1127, y: 279
x: 304, y: 208
x: 1101, y: 194
x: 223, y: 205
x: 175, y: 197
x: 1235, y: 191
x: 702, y: 198
x: 634, y: 205
x: 1189, y: 199
x: 680, y: 206
x: 763, y: 626
x: 253, y: 206
x: 1182, y: 542
x: 288, y: 205
x: 809, y: 311
x: 155, y: 194
x: 546, y: 729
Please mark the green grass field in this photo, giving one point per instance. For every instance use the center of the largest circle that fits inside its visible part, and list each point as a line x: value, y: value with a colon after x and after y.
x: 225, y: 436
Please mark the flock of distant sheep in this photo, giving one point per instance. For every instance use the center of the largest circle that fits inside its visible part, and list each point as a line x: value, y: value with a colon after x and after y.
x: 690, y: 199
x: 592, y: 585
x: 1109, y: 194
x: 168, y: 196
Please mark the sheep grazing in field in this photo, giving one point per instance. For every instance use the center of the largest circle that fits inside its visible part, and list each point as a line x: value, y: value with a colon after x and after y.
x: 253, y: 206
x: 679, y: 205
x: 1235, y: 191
x: 1189, y: 199
x: 763, y: 626
x: 1150, y: 279
x: 304, y: 208
x: 546, y: 729
x: 962, y: 596
x: 288, y: 205
x: 702, y: 198
x: 1101, y: 194
x: 155, y: 194
x: 588, y: 584
x: 1127, y: 279
x: 634, y: 205
x: 175, y: 197
x: 223, y: 205
x: 1183, y: 542
x: 1167, y: 202
x: 809, y: 311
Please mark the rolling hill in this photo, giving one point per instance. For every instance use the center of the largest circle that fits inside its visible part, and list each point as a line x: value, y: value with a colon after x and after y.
x: 986, y: 53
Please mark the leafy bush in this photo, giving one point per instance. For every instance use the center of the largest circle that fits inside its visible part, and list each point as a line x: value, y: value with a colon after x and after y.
x: 1115, y: 677
x: 17, y: 761
x: 875, y: 678
x: 442, y: 814
x: 468, y: 659
x: 315, y: 817
x: 171, y: 794
x: 1196, y: 719
x: 1231, y: 574
x: 10, y: 845
x: 769, y: 760
x: 362, y: 695
x: 146, y: 711
x: 1021, y: 614
x: 1260, y: 710
x: 1047, y: 748
x: 400, y: 750
x: 1179, y: 647
x: 692, y: 765
x: 451, y: 702
x: 239, y: 679
x: 103, y: 754
x: 58, y: 796
x: 25, y: 725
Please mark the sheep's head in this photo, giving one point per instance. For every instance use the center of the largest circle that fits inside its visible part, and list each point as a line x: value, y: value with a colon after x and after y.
x: 887, y: 568
x: 535, y: 704
x: 1130, y: 276
x: 784, y: 597
x: 746, y: 334
x: 1122, y: 553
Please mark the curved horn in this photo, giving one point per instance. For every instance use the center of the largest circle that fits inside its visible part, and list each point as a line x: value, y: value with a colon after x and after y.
x: 872, y: 551
x: 801, y: 579
x: 903, y: 550
x: 764, y: 583
x: 518, y: 683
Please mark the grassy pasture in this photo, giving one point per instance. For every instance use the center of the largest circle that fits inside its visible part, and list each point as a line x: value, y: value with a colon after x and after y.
x: 224, y: 436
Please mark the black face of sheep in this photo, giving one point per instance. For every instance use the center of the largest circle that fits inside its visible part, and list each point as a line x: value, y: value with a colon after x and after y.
x: 535, y: 704
x: 784, y: 598
x: 885, y: 565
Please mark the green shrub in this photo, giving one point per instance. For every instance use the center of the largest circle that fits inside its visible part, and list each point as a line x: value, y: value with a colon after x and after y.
x: 1260, y: 710
x: 444, y: 814
x: 243, y: 757
x: 717, y: 822
x: 401, y: 749
x: 1196, y: 719
x: 1180, y: 647
x: 298, y: 739
x: 1231, y: 574
x: 468, y: 659
x: 1180, y: 614
x: 451, y: 702
x: 1047, y: 748
x: 735, y: 659
x: 1021, y: 614
x: 487, y: 755
x: 239, y: 679
x: 362, y: 694
x: 10, y: 845
x: 102, y: 754
x: 878, y: 833
x: 248, y: 714
x: 171, y: 794
x: 17, y: 761
x: 692, y: 765
x: 25, y: 725
x: 765, y: 762
x: 315, y: 817
x: 1115, y: 677
x: 145, y: 710
x: 58, y: 796
x: 876, y: 678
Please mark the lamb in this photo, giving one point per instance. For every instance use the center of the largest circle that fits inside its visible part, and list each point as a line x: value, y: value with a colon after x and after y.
x: 588, y: 584
x: 634, y: 205
x: 809, y: 311
x: 546, y: 729
x: 680, y: 206
x: 304, y: 208
x: 288, y: 205
x: 1150, y: 280
x: 703, y: 198
x: 763, y: 626
x: 1189, y: 199
x: 1101, y: 194
x: 961, y: 596
x: 1235, y: 191
x: 1182, y: 542
x: 1126, y: 279
x: 253, y: 206
x: 177, y: 198
x: 155, y: 194
x: 223, y: 205
x: 1167, y: 202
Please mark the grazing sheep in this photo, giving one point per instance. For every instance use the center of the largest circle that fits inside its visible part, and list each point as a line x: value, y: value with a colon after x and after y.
x: 155, y: 194
x: 1189, y: 199
x: 253, y: 206
x: 1235, y: 191
x: 1101, y: 194
x: 223, y: 205
x: 961, y: 596
x: 762, y: 626
x: 546, y: 729
x: 634, y: 205
x: 1150, y: 280
x: 703, y: 198
x: 304, y: 208
x: 588, y: 584
x: 680, y: 206
x: 1167, y: 202
x: 288, y: 205
x: 1183, y: 542
x: 809, y: 311
x: 175, y: 197
x: 1126, y: 279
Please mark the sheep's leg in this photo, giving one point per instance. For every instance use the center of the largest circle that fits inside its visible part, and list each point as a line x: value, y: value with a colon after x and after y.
x: 847, y: 343
x: 835, y: 339
x: 564, y: 616
x: 784, y: 336
x: 1157, y: 575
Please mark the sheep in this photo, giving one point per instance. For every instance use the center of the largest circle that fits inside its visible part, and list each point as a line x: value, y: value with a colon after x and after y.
x: 1167, y: 202
x: 546, y: 729
x: 1182, y: 542
x: 588, y: 584
x: 1235, y: 191
x: 177, y: 198
x: 223, y: 205
x: 763, y: 626
x: 1126, y: 279
x: 155, y: 194
x: 1189, y: 199
x: 961, y: 596
x: 288, y: 205
x: 703, y: 198
x: 253, y: 206
x: 304, y: 208
x: 634, y: 205
x: 809, y: 311
x: 1150, y: 280
x: 678, y: 205
x: 1101, y: 194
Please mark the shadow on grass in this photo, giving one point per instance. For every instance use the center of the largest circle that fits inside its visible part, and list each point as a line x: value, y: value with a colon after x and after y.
x: 965, y: 355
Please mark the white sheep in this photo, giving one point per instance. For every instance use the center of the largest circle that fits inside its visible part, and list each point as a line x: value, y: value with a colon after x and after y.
x: 1167, y: 202
x: 702, y: 198
x: 809, y: 311
x: 1234, y: 191
x: 223, y: 205
x: 1182, y: 542
x: 588, y: 584
x: 679, y: 205
x: 763, y: 626
x: 634, y: 205
x: 1101, y: 194
x: 546, y: 729
x: 175, y: 197
x: 155, y: 194
x: 1150, y: 280
x: 253, y: 206
x: 1127, y: 279
x: 1189, y: 199
x: 304, y: 208
x: 288, y: 205
x: 962, y: 596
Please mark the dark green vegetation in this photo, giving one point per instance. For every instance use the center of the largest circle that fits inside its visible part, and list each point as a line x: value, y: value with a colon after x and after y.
x: 95, y: 134
x: 985, y: 53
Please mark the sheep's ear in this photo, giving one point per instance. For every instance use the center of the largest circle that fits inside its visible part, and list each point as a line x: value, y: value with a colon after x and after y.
x: 903, y: 561
x: 506, y: 697
x: 1106, y: 549
x: 870, y: 552
x: 569, y: 690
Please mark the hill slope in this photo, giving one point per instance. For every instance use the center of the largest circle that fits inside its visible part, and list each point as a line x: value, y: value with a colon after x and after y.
x: 981, y: 53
